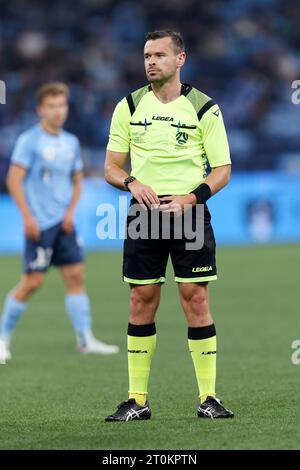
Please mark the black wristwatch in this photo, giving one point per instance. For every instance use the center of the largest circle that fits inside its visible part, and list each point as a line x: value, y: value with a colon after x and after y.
x: 128, y: 180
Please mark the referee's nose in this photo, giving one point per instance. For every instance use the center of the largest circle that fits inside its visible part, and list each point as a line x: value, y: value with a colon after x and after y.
x: 151, y: 61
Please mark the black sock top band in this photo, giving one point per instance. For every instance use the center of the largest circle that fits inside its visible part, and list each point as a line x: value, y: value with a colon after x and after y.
x: 201, y: 332
x: 141, y: 330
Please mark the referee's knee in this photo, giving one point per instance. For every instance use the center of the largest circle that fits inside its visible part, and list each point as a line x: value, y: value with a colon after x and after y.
x: 198, y: 304
x: 195, y: 301
x: 144, y: 301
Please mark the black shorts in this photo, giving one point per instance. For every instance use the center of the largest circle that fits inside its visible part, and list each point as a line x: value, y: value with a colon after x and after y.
x: 145, y: 260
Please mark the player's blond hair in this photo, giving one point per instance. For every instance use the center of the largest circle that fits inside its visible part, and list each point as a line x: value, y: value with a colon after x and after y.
x: 52, y: 89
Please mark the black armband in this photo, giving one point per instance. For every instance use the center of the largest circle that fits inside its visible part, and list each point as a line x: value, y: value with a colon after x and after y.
x: 202, y: 193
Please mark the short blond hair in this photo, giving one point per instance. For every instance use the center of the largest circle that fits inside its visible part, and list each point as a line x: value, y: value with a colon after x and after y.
x: 52, y: 89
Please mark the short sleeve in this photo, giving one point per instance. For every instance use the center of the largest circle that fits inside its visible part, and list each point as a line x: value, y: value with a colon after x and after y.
x: 22, y: 153
x: 214, y: 137
x: 119, y: 134
x: 78, y: 164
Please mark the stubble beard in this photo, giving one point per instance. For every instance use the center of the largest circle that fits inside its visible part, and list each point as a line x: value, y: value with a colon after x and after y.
x: 160, y: 80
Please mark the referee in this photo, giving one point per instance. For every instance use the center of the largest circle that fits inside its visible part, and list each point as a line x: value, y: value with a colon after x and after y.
x: 171, y: 131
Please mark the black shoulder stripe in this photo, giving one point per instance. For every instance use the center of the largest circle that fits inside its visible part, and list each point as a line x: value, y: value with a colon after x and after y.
x: 205, y: 108
x: 130, y: 104
x: 185, y: 89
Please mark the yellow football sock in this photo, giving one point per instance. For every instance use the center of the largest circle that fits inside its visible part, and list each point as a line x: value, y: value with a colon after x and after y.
x: 140, y: 398
x: 141, y: 342
x: 203, y: 347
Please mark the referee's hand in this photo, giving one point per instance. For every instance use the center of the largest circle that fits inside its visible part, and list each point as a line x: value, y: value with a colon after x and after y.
x: 177, y: 205
x: 144, y: 194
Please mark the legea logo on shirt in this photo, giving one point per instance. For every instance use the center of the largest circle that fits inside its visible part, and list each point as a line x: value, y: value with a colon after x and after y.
x: 49, y: 153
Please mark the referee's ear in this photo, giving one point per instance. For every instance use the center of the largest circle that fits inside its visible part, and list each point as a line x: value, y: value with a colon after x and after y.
x: 181, y: 59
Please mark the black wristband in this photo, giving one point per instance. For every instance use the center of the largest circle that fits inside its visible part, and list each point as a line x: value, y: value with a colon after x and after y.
x: 202, y: 193
x: 128, y: 180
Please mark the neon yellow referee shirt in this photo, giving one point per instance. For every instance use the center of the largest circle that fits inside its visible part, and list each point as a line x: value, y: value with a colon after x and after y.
x: 170, y: 143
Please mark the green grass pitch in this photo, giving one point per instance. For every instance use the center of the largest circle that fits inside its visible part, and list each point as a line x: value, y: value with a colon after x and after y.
x: 53, y: 398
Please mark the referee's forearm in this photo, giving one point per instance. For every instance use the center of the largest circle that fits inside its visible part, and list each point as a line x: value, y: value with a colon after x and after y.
x: 115, y: 176
x: 218, y: 178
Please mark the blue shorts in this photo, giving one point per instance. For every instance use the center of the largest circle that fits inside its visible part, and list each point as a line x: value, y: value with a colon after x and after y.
x: 55, y: 247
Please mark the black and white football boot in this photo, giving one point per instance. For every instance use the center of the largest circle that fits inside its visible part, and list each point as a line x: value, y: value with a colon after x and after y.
x: 129, y: 410
x: 213, y: 408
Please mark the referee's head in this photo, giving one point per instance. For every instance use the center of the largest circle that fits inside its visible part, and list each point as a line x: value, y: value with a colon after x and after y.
x: 164, y: 55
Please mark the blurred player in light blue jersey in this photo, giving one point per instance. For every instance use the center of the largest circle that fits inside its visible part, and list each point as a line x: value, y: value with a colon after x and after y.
x: 45, y: 180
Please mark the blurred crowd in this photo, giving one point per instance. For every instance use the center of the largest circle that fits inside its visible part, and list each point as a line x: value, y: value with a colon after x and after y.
x: 243, y: 53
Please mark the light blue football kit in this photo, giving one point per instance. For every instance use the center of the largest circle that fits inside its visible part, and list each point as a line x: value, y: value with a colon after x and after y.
x: 50, y: 161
